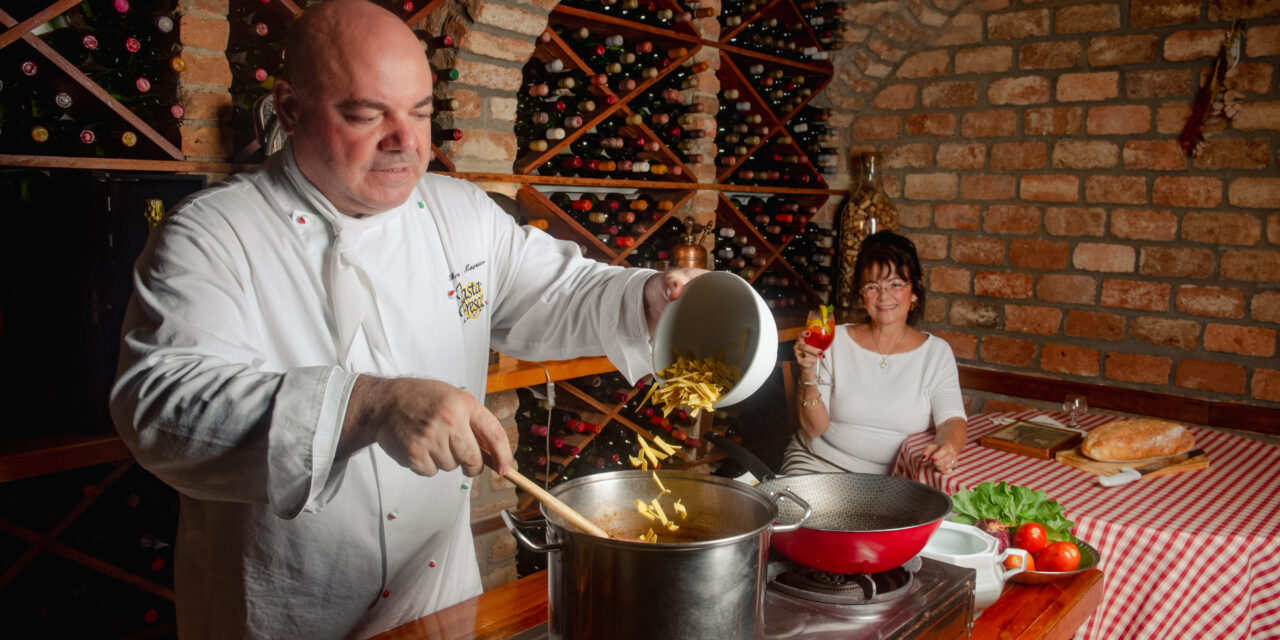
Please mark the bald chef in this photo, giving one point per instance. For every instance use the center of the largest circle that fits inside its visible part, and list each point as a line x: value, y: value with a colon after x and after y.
x: 304, y: 357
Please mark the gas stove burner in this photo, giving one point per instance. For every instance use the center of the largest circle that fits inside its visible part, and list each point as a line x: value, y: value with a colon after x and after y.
x: 848, y: 588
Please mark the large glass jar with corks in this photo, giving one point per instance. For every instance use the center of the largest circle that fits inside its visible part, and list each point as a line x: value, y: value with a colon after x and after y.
x: 867, y: 211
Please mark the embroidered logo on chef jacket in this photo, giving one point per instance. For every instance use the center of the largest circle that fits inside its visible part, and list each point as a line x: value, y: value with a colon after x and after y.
x: 470, y: 297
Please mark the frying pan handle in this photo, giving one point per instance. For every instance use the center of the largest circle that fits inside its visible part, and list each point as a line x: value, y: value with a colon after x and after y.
x: 739, y: 453
x: 808, y: 511
x: 516, y: 527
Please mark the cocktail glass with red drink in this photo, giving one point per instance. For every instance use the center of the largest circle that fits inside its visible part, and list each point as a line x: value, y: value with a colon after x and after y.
x: 820, y: 330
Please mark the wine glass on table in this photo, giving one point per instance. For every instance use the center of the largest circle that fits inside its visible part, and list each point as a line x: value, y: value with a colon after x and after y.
x: 820, y: 331
x: 1075, y: 405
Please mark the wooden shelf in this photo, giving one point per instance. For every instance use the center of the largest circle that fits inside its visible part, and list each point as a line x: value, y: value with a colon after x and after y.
x: 51, y: 454
x: 511, y: 373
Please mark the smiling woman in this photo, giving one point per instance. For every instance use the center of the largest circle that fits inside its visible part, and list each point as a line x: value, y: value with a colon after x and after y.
x: 888, y: 379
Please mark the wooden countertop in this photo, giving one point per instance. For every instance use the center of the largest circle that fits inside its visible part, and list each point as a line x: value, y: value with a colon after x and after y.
x: 1053, y: 611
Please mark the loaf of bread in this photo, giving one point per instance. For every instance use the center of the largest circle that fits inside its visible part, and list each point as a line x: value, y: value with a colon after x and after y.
x: 1125, y: 440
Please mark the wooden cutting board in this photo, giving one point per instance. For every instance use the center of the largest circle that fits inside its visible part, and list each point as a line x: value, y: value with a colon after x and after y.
x: 1073, y: 458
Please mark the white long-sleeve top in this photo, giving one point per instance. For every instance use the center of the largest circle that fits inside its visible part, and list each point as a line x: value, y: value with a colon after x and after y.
x: 873, y: 409
x: 256, y: 306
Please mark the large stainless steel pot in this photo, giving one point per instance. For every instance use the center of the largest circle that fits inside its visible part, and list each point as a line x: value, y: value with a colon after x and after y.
x: 705, y: 580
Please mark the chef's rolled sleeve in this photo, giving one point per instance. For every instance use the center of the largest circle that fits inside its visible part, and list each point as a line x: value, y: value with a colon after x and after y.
x: 197, y: 400
x: 307, y: 415
x: 624, y: 301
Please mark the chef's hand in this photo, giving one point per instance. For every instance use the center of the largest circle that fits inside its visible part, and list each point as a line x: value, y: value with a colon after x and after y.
x: 807, y: 356
x: 427, y: 426
x: 662, y: 288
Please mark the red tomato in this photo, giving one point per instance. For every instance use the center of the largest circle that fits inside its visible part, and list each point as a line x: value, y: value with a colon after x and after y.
x: 1059, y: 556
x: 1031, y: 536
x: 1013, y: 562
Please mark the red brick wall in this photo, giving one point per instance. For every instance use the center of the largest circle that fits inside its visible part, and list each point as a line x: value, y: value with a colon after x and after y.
x: 1032, y: 149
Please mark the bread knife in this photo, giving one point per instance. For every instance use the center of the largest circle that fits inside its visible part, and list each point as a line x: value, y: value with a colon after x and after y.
x: 1129, y: 474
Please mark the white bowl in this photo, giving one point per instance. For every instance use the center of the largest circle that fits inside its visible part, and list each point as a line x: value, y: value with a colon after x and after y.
x: 710, y: 316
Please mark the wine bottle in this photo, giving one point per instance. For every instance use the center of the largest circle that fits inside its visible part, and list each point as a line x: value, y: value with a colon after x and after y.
x: 431, y: 44
x: 75, y: 46
x: 446, y: 74
x: 153, y: 29
x: 125, y: 85
x: 160, y: 111
x: 92, y: 16
x: 258, y: 29
x: 112, y: 142
x: 439, y: 135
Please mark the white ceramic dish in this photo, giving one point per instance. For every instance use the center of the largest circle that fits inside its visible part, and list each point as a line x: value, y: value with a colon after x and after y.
x: 719, y: 311
x: 967, y: 546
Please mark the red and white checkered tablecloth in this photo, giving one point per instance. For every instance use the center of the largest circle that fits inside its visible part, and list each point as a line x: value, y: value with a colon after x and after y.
x: 1188, y: 555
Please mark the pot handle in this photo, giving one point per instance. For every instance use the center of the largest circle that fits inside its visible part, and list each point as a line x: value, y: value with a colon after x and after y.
x: 516, y: 527
x: 808, y: 511
x: 739, y: 453
x: 1013, y: 551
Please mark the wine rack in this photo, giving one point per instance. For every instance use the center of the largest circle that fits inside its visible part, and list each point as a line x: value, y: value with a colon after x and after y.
x: 768, y: 147
x: 88, y: 553
x: 54, y: 106
x: 767, y: 142
x: 124, y: 100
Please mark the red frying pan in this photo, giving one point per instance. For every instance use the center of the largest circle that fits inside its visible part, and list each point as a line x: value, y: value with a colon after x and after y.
x: 861, y: 522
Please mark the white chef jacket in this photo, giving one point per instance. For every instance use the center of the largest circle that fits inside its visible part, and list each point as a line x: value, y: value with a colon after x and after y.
x: 256, y: 305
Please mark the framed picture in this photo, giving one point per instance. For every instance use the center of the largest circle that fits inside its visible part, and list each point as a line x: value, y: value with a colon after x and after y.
x: 1031, y: 439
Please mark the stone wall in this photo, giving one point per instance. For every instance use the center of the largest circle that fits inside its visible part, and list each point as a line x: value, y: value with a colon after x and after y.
x: 1031, y: 147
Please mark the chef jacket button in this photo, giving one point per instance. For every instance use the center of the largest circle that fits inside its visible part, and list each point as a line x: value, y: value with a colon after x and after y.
x: 465, y: 486
x: 386, y: 594
x: 431, y: 563
x: 422, y: 205
x: 395, y: 513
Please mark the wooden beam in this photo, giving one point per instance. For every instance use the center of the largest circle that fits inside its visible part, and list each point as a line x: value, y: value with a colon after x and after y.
x: 511, y: 373
x: 39, y: 456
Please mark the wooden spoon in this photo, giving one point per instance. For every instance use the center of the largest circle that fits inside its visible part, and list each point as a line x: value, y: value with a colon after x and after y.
x: 559, y: 508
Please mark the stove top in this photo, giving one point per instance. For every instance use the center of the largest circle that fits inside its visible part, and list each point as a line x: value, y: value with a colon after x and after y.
x: 936, y: 602
x: 933, y: 602
x: 845, y: 588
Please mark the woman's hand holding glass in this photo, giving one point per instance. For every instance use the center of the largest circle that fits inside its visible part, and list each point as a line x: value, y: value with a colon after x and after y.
x: 819, y: 331
x: 808, y: 357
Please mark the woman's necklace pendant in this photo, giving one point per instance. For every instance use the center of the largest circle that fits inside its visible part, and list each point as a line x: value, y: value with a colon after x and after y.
x: 884, y: 361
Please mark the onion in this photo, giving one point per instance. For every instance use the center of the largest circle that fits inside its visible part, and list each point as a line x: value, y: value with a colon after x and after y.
x: 996, y: 529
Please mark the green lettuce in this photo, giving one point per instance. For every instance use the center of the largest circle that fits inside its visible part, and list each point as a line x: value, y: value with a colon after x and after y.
x: 1013, y: 505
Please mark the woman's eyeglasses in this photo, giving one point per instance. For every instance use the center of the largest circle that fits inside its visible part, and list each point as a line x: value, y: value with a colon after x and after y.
x: 894, y: 287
